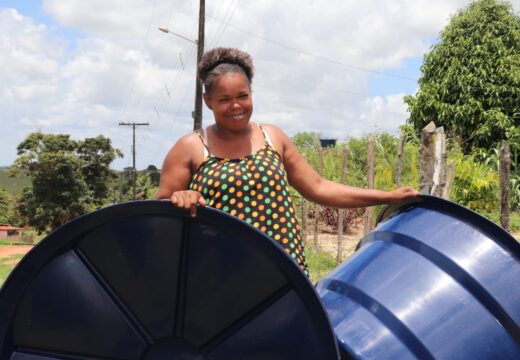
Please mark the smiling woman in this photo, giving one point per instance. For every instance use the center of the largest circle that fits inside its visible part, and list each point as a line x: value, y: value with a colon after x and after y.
x: 244, y: 168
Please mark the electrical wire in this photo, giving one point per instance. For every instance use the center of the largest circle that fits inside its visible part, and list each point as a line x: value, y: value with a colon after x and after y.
x: 211, y: 42
x: 213, y: 23
x: 226, y: 21
x: 317, y: 57
x: 132, y: 85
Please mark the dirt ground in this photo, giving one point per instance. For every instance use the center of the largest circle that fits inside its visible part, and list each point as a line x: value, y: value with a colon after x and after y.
x: 7, y: 251
x: 12, y: 250
x: 328, y: 240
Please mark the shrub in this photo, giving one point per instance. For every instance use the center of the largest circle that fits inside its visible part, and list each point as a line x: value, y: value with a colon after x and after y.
x: 331, y: 217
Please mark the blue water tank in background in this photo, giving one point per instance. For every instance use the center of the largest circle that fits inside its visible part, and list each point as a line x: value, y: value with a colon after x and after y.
x: 432, y: 281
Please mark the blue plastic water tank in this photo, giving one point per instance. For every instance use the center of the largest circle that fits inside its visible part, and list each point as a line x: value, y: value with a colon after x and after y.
x: 432, y: 281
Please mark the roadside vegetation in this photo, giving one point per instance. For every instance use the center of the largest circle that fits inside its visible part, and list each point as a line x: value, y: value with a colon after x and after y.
x: 470, y: 85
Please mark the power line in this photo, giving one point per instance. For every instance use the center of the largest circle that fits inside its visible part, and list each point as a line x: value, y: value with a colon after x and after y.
x: 133, y: 81
x: 226, y: 21
x: 214, y: 24
x: 222, y: 24
x: 303, y: 52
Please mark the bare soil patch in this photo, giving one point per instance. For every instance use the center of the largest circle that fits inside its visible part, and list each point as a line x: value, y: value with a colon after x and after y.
x: 7, y: 251
x: 328, y: 240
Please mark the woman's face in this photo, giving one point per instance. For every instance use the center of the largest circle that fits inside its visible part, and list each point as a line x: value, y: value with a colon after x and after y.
x: 231, y: 101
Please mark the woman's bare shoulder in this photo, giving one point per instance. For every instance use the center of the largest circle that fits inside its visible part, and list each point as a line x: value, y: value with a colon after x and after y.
x: 188, y: 149
x: 278, y: 136
x: 271, y: 127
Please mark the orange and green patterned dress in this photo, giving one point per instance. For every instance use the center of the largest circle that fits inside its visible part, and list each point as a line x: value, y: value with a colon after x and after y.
x: 253, y: 188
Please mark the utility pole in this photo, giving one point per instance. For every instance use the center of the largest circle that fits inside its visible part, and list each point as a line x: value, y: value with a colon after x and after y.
x: 197, y: 118
x: 197, y: 112
x: 134, y: 173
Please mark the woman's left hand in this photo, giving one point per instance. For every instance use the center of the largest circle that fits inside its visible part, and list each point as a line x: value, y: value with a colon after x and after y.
x: 402, y: 194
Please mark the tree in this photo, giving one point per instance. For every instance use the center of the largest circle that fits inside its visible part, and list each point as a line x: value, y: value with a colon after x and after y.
x: 308, y: 144
x: 68, y: 177
x: 154, y: 173
x: 470, y: 80
x: 144, y: 187
x: 4, y: 206
x: 96, y: 155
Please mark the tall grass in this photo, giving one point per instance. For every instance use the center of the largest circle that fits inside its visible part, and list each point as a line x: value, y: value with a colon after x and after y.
x: 6, y: 266
x: 320, y: 263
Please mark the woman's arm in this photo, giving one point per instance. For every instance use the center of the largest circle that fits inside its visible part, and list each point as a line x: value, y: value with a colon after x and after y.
x: 328, y: 193
x: 176, y: 173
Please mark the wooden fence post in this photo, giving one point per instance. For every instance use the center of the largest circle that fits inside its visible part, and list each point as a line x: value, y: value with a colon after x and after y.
x: 504, y: 169
x: 439, y: 169
x: 370, y: 179
x: 399, y: 160
x: 427, y: 158
x: 341, y: 212
x: 316, y: 206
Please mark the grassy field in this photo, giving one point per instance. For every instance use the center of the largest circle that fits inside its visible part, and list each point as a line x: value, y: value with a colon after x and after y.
x: 13, y: 186
x: 320, y: 263
x: 6, y: 266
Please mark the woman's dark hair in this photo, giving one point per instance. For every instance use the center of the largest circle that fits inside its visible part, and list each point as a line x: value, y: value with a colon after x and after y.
x: 220, y: 61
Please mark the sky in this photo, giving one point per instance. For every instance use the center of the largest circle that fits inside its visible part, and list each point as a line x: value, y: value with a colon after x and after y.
x: 336, y: 67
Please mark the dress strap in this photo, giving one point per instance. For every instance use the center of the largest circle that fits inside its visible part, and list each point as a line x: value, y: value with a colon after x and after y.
x: 203, y: 136
x: 266, y: 136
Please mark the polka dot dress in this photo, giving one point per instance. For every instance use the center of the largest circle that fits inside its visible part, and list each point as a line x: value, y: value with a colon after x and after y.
x: 253, y: 188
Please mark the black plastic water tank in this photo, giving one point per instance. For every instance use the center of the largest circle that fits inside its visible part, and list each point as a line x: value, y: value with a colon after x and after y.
x: 325, y: 143
x: 143, y: 280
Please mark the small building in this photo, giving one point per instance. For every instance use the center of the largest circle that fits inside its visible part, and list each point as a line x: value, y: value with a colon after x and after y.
x: 8, y: 231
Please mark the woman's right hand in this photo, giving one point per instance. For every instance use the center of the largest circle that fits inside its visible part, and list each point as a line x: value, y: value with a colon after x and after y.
x: 188, y: 200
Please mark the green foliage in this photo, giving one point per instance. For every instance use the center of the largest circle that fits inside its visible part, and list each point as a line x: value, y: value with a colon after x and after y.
x: 471, y: 79
x: 13, y: 185
x: 154, y: 173
x: 308, y: 144
x: 68, y: 177
x: 6, y: 266
x: 320, y: 263
x: 144, y: 188
x: 386, y: 147
x: 475, y: 185
x: 4, y: 207
x: 514, y: 192
x: 515, y: 222
x: 476, y: 182
x: 96, y: 155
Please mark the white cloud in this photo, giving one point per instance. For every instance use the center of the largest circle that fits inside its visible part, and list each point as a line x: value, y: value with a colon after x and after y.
x: 96, y: 63
x: 385, y: 114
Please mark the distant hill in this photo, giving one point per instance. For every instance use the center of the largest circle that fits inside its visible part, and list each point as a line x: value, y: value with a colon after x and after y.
x: 13, y: 186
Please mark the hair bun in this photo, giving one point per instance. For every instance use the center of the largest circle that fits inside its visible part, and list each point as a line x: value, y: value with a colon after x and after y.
x: 214, y: 57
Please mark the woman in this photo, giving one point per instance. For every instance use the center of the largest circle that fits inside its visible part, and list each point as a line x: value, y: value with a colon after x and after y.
x: 244, y: 169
